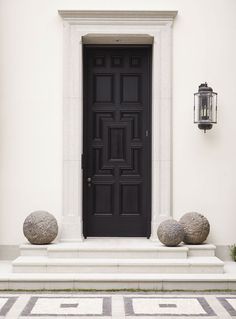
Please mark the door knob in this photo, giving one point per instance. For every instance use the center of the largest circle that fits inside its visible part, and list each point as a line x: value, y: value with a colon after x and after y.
x: 89, y: 180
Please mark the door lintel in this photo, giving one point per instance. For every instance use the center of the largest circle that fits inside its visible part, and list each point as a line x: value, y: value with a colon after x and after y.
x: 96, y: 38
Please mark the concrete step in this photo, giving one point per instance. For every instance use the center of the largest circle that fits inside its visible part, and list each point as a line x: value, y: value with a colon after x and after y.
x: 204, y: 250
x: 137, y: 252
x: 81, y: 250
x: 43, y: 264
x: 120, y: 249
x: 34, y: 250
x: 101, y: 281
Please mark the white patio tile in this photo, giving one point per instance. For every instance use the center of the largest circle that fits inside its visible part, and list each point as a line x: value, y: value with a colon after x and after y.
x: 56, y: 305
x: 185, y: 306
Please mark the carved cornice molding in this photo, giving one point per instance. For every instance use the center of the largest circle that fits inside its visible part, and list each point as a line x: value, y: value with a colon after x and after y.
x: 118, y: 17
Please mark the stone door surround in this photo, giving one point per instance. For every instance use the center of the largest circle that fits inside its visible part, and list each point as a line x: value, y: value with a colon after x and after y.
x: 109, y: 27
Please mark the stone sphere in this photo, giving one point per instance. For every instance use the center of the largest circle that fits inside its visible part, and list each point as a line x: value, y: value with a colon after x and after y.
x: 170, y: 233
x: 196, y: 228
x: 40, y: 228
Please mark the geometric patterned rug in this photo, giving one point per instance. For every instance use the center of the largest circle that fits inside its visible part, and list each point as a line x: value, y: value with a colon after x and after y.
x: 117, y: 305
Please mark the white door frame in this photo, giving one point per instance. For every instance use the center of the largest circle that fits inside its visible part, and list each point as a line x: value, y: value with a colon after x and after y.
x: 124, y: 24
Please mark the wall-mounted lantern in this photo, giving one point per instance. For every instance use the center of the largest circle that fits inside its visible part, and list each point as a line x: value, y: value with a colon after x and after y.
x: 205, y: 107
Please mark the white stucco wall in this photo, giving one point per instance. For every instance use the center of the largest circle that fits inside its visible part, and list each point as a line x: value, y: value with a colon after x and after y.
x: 204, y: 165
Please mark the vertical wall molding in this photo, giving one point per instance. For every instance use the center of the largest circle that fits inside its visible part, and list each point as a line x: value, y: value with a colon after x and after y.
x: 77, y: 24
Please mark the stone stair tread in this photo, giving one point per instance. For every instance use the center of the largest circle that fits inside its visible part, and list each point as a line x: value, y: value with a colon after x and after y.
x: 115, y: 277
x: 127, y: 248
x: 112, y: 246
x: 202, y: 246
x: 44, y: 260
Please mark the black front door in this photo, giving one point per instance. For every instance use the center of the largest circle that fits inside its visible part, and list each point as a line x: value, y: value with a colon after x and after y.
x: 117, y: 141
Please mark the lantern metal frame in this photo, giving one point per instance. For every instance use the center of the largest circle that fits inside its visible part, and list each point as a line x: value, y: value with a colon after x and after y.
x: 205, y: 107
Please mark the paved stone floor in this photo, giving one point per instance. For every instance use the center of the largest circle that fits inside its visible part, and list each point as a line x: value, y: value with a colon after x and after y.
x: 117, y: 305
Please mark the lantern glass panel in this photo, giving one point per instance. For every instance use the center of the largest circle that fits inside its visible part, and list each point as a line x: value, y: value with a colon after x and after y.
x: 205, y: 107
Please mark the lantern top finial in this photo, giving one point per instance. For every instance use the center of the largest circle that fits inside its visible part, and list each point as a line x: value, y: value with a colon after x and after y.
x: 204, y: 88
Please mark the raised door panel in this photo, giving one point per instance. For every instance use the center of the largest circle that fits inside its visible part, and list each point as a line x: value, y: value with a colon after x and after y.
x: 116, y: 144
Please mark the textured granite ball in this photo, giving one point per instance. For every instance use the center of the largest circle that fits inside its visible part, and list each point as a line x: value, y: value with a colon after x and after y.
x: 170, y: 232
x: 40, y: 228
x: 196, y: 228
